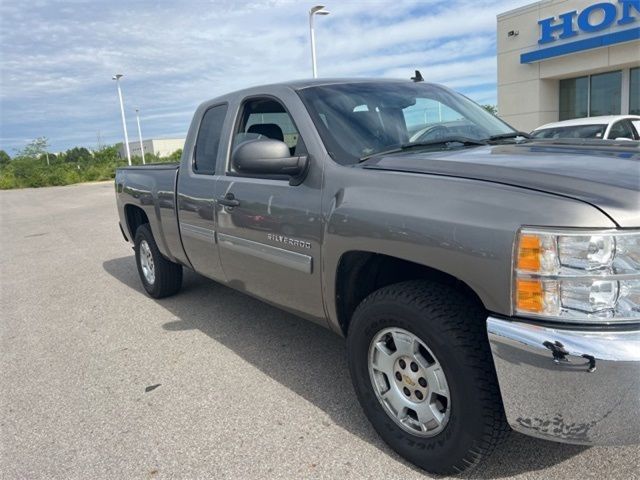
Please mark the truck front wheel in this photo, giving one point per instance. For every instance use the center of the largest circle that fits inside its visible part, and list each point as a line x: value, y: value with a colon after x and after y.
x: 422, y: 370
x: 160, y: 277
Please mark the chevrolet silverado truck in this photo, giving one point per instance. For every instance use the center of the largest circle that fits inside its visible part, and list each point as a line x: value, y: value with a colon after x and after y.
x: 484, y: 281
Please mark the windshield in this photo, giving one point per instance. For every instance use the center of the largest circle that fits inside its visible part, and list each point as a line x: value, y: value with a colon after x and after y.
x: 575, y: 131
x: 356, y: 120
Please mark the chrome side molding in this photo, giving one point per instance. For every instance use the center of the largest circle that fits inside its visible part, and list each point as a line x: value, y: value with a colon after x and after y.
x: 287, y: 258
x: 198, y: 232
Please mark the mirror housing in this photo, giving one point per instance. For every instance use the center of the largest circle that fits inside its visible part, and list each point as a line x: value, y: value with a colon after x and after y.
x: 265, y: 156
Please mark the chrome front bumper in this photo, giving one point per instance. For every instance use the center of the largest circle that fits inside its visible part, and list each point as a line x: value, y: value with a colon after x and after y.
x: 568, y: 385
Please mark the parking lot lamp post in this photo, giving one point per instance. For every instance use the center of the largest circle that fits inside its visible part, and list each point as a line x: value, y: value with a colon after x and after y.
x: 317, y: 10
x: 140, y: 135
x: 117, y: 77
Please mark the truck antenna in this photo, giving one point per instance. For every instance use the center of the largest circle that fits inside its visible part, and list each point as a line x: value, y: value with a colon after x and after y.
x: 418, y: 77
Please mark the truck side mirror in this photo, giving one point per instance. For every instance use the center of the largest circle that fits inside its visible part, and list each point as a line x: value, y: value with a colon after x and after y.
x: 265, y: 156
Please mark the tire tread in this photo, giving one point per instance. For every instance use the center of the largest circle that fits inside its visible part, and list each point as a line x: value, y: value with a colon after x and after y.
x: 168, y: 274
x: 458, y: 315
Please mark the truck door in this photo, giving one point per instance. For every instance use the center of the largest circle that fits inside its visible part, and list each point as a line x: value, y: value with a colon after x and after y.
x: 269, y: 240
x: 196, y: 192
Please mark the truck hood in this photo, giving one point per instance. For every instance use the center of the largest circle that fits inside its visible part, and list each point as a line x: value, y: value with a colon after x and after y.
x: 606, y: 177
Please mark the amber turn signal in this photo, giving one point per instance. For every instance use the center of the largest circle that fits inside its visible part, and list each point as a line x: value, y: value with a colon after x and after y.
x: 529, y: 295
x: 529, y: 251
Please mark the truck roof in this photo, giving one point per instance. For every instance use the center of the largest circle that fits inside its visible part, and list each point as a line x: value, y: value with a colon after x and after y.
x: 301, y: 84
x: 314, y: 82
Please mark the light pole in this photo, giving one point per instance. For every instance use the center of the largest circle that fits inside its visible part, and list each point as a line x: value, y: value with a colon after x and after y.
x: 117, y: 77
x: 317, y: 10
x: 140, y: 135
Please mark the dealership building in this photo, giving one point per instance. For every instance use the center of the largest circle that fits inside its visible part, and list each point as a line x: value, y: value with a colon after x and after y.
x: 562, y: 59
x: 163, y: 147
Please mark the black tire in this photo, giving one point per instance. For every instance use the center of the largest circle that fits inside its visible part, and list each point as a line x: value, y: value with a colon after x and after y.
x: 168, y: 275
x: 453, y: 328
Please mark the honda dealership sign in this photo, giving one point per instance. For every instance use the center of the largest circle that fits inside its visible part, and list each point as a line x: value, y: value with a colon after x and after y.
x: 599, y: 25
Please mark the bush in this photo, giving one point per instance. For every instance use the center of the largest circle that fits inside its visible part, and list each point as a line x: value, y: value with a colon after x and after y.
x: 57, y: 175
x: 7, y: 181
x: 73, y: 166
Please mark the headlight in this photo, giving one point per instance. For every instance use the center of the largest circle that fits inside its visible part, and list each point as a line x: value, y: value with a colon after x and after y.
x: 577, y: 276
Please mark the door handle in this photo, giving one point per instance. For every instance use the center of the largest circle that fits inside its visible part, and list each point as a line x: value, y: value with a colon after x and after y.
x: 229, y: 200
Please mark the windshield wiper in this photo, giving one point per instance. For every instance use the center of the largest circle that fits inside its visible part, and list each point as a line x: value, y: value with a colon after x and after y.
x: 504, y: 136
x: 465, y: 141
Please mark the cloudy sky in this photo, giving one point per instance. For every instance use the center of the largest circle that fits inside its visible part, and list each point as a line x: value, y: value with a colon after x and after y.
x: 57, y: 58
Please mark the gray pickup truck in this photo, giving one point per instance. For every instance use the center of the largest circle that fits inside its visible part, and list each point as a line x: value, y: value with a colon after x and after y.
x: 484, y: 281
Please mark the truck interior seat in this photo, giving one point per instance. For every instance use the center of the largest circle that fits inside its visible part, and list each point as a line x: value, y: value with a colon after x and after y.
x: 269, y: 130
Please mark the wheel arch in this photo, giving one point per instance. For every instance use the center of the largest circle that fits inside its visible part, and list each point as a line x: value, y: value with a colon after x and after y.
x: 360, y: 273
x: 135, y: 216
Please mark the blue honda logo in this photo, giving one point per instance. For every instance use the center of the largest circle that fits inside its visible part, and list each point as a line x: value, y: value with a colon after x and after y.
x: 594, y: 18
x: 613, y: 17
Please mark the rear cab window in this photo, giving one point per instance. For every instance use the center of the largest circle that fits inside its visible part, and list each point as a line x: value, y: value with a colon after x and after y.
x: 208, y: 142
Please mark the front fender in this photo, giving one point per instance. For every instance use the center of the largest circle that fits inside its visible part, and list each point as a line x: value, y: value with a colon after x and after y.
x: 465, y: 228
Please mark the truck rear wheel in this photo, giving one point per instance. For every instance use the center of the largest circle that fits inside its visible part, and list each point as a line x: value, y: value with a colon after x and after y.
x: 422, y: 370
x: 160, y: 277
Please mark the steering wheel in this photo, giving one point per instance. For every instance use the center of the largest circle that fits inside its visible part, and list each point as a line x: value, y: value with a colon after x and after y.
x: 435, y: 132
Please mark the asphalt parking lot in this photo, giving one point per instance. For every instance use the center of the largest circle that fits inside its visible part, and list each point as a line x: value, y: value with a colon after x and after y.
x: 98, y: 380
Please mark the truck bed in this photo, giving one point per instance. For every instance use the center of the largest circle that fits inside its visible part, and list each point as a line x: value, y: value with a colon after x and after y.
x: 152, y: 188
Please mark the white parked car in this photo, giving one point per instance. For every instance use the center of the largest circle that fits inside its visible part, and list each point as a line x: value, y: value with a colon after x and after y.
x: 609, y: 127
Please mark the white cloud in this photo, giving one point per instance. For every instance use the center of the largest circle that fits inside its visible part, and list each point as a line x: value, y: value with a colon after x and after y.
x: 58, y: 57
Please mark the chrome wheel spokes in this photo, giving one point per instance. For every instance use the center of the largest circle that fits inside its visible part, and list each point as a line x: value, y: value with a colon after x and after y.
x: 146, y: 263
x: 409, y: 382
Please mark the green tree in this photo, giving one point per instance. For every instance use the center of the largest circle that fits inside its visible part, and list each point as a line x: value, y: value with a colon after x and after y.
x: 4, y: 158
x: 492, y: 109
x: 175, y: 156
x: 78, y: 155
x: 29, y: 168
x: 48, y: 158
x: 35, y: 148
x: 106, y: 154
